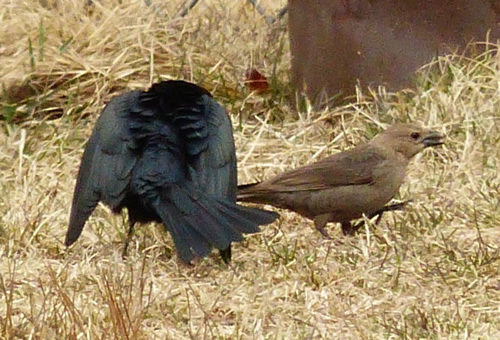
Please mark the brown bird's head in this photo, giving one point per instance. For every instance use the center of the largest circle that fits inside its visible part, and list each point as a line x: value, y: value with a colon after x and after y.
x: 408, y: 139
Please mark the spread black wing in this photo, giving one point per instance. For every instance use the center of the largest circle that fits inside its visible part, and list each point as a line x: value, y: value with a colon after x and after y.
x: 167, y: 155
x: 106, y: 166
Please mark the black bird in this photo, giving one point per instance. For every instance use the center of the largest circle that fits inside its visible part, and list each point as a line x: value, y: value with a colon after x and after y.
x: 167, y: 155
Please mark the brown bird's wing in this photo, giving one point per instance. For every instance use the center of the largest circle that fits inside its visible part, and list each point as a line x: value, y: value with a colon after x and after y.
x: 353, y: 167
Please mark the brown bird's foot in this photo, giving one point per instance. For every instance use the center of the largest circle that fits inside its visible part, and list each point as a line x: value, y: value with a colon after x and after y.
x: 348, y: 229
x: 127, y: 240
x: 360, y: 224
x: 324, y: 233
x: 320, y: 224
x: 390, y: 207
x: 379, y: 213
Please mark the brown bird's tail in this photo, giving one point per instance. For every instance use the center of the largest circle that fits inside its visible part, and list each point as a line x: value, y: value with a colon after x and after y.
x: 243, y: 187
x: 251, y: 193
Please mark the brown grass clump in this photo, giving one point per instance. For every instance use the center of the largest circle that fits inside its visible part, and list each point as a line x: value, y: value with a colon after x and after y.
x: 430, y: 271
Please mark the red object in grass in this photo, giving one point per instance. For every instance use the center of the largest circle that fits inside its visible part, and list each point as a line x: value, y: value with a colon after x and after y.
x: 256, y: 81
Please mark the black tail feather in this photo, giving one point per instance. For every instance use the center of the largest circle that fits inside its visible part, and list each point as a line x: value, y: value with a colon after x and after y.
x: 188, y: 242
x: 245, y: 219
x: 205, y: 222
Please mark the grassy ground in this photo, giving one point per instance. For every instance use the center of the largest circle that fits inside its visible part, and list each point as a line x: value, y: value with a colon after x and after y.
x: 430, y: 272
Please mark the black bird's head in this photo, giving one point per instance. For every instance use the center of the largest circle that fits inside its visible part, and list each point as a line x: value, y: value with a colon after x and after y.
x: 171, y: 95
x: 408, y: 139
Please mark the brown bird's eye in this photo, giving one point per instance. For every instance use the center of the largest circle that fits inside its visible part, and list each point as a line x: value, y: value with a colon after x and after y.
x: 415, y: 135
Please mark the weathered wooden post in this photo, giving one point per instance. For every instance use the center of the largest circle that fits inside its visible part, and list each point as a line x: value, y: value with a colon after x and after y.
x: 336, y: 43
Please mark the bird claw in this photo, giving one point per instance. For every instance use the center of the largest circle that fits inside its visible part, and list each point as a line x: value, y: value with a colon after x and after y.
x: 127, y: 239
x: 392, y: 207
x: 348, y: 229
x: 379, y: 213
x: 324, y: 232
x: 124, y: 251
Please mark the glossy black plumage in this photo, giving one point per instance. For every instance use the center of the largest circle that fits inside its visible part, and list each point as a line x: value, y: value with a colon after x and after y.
x: 167, y: 155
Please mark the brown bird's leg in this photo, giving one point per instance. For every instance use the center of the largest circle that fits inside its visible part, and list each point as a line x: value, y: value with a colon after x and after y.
x: 131, y: 223
x: 379, y: 213
x: 390, y: 207
x: 320, y: 224
x: 348, y: 228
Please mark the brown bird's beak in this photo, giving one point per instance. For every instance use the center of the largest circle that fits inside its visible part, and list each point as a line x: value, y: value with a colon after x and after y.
x: 433, y: 139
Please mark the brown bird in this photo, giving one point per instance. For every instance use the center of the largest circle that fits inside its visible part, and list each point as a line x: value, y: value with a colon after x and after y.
x: 344, y: 186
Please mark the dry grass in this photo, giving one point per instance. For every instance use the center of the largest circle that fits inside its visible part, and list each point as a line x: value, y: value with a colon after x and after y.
x: 428, y: 272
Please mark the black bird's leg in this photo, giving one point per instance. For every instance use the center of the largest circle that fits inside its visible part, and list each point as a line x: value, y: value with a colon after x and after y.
x: 225, y: 254
x: 379, y: 213
x: 131, y: 223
